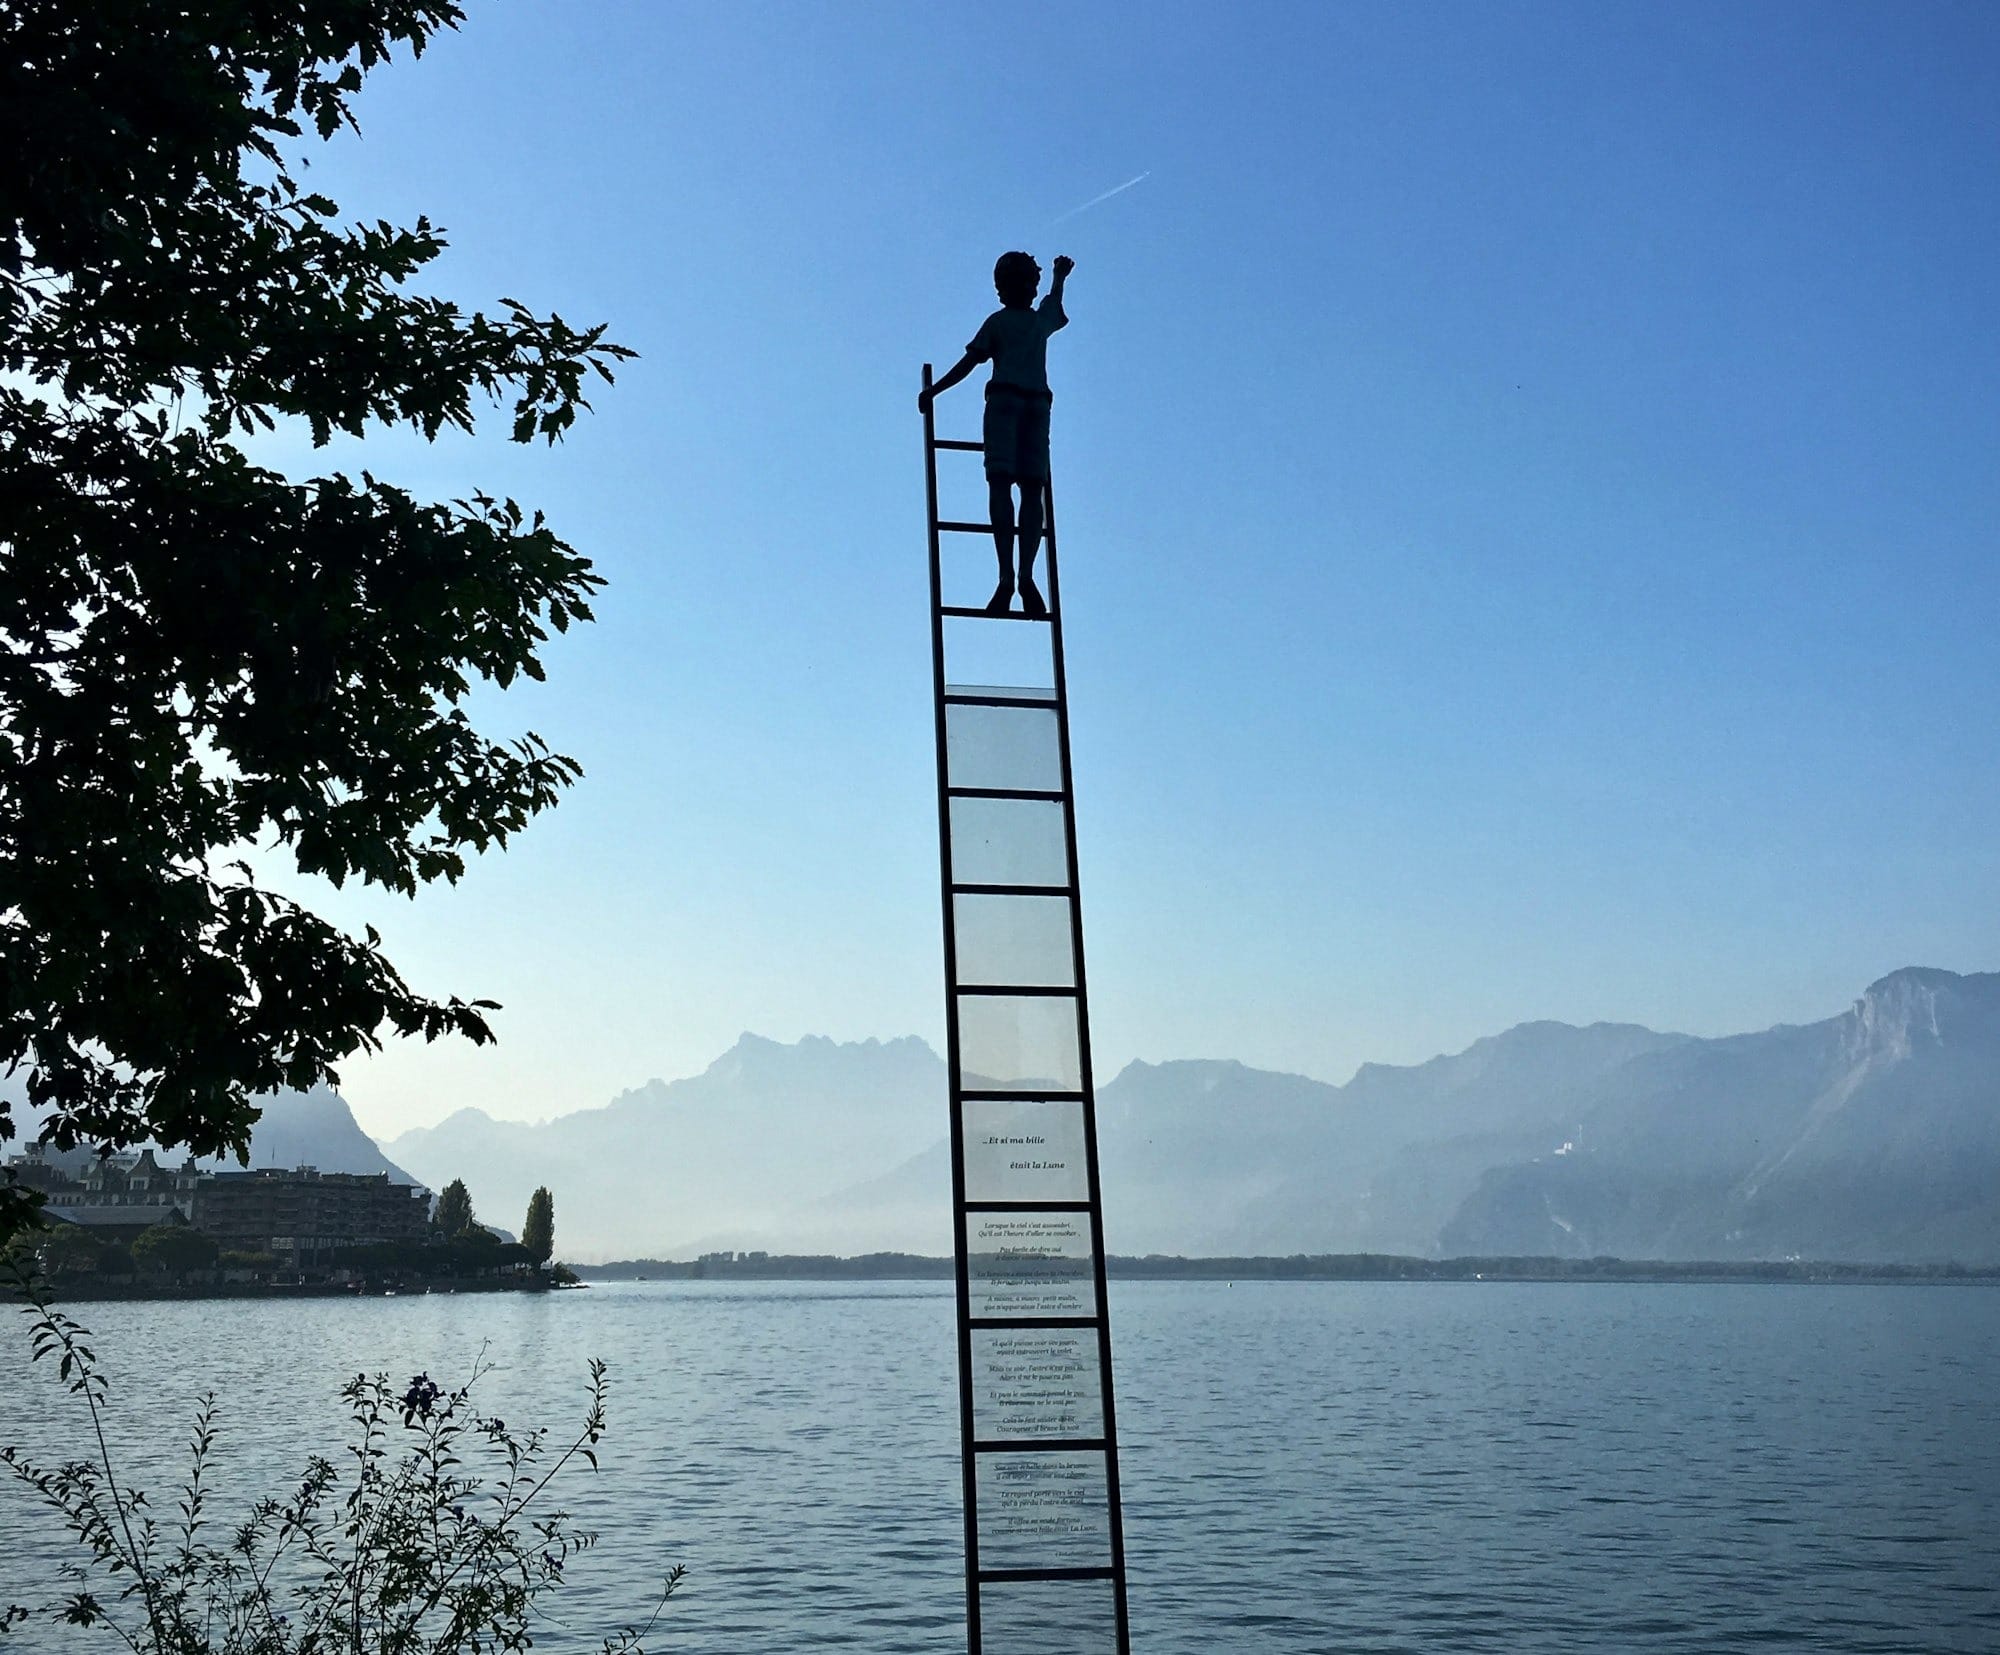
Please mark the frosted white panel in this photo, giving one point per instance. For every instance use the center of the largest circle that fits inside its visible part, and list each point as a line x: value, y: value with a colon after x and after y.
x: 982, y: 651
x: 1010, y: 747
x: 1025, y: 1151
x: 1018, y: 1043
x: 1008, y: 842
x: 1043, y: 1510
x: 1030, y: 1265
x: 1021, y: 941
x: 1031, y: 1382
x: 1048, y: 1617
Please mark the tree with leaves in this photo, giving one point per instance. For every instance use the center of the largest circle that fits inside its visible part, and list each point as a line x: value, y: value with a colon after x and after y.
x: 66, y: 1249
x: 452, y: 1216
x: 538, y: 1229
x: 173, y: 1250
x: 197, y: 653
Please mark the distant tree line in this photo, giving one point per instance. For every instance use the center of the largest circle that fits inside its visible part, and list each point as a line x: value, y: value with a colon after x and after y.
x: 776, y: 1267
x: 1397, y: 1267
x: 1297, y: 1267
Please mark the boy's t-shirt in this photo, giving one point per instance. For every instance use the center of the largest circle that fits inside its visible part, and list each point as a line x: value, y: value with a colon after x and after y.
x: 1016, y: 342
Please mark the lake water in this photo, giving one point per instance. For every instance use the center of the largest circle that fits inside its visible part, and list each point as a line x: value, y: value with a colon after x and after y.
x: 1365, y: 1467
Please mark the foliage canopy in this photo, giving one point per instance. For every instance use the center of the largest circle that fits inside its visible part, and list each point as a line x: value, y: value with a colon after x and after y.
x: 60, y: 1249
x: 453, y: 1214
x: 173, y: 1249
x: 538, y: 1229
x: 196, y: 653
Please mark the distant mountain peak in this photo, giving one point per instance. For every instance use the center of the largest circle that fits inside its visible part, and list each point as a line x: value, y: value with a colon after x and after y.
x: 1548, y: 1033
x: 1914, y: 981
x: 316, y: 1129
x: 467, y: 1115
x: 753, y: 1047
x: 1913, y: 1008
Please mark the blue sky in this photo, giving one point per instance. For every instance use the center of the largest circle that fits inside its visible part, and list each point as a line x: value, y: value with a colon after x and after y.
x: 1528, y: 480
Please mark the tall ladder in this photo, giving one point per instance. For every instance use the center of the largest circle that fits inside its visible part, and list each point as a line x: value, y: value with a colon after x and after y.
x: 1044, y: 1533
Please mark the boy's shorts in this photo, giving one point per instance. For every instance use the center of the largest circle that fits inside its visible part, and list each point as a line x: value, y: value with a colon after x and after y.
x: 1016, y: 433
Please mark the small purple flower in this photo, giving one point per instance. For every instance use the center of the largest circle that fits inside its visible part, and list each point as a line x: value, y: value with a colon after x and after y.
x: 419, y: 1399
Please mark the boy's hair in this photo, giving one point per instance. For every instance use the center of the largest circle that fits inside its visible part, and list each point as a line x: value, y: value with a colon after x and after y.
x: 1015, y: 277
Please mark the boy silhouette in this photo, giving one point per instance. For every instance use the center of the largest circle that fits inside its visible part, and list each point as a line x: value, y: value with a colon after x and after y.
x: 1015, y: 339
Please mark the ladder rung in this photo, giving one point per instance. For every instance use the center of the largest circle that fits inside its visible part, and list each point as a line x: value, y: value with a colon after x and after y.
x: 1046, y: 795
x: 968, y: 613
x: 962, y: 447
x: 982, y: 1094
x: 965, y: 528
x: 996, y: 1577
x: 1031, y: 1321
x: 1027, y: 698
x: 1035, y: 1445
x: 1013, y: 890
x: 1042, y: 990
x: 1027, y: 1206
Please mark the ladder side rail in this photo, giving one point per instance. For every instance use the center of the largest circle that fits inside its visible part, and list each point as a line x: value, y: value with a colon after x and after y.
x: 968, y: 1462
x: 1114, y: 1496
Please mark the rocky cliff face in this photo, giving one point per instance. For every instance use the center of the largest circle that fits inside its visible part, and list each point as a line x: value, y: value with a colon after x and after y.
x: 1874, y: 1135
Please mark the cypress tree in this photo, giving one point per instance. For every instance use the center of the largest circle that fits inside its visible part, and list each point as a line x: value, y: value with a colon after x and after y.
x: 538, y: 1230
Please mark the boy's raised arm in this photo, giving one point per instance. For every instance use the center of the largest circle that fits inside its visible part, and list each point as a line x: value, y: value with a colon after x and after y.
x: 956, y: 372
x: 1052, y: 306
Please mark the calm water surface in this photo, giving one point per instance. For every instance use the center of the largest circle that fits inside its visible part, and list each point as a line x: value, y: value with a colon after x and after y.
x: 1310, y: 1467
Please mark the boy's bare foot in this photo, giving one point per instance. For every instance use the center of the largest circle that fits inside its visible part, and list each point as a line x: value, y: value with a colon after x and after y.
x: 1003, y: 598
x: 1031, y: 599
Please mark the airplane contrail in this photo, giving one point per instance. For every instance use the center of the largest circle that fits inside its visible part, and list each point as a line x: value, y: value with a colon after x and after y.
x: 1098, y: 200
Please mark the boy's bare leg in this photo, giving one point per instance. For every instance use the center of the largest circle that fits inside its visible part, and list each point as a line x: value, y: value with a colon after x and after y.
x: 1031, y: 540
x: 1000, y: 501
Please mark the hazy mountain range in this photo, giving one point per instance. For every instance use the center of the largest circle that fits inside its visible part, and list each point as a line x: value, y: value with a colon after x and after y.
x: 1873, y: 1135
x: 296, y: 1129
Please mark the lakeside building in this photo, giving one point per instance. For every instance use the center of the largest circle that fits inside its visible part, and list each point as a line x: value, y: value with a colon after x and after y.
x: 117, y: 1198
x: 304, y: 1213
x: 121, y: 1224
x: 80, y: 1178
x: 297, y: 1214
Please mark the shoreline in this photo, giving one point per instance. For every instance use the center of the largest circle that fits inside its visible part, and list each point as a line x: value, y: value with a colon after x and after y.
x: 1383, y: 1267
x: 79, y: 1289
x: 917, y: 1267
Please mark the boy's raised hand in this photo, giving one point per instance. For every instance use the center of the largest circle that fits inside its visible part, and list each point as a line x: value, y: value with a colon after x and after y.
x: 1064, y: 265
